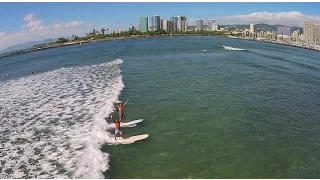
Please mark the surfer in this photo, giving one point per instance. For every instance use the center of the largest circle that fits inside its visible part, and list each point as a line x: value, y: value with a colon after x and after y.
x: 121, y: 111
x: 117, y: 128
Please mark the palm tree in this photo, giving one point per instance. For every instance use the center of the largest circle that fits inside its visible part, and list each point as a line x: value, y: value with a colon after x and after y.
x: 103, y: 30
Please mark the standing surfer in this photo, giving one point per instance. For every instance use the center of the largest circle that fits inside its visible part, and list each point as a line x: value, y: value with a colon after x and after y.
x: 121, y: 111
x: 117, y: 128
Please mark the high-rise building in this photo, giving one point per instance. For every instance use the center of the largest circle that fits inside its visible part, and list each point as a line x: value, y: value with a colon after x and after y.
x: 214, y: 27
x: 143, y: 24
x: 156, y: 21
x: 170, y: 26
x: 210, y: 24
x: 295, y: 35
x: 165, y: 25
x: 174, y: 19
x: 161, y: 23
x: 199, y: 24
x: 283, y: 30
x: 311, y: 32
x: 182, y: 23
x: 317, y: 34
x: 308, y: 31
x: 252, y: 28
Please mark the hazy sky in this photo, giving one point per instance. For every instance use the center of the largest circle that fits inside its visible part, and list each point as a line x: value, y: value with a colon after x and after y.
x: 22, y: 22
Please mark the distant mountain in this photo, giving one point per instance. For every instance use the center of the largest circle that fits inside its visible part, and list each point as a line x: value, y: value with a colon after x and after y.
x: 25, y: 45
x: 264, y: 27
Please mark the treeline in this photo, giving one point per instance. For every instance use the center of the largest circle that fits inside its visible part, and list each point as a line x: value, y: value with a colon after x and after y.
x: 97, y: 35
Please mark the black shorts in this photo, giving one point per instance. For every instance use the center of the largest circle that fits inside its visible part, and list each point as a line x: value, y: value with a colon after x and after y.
x: 122, y: 115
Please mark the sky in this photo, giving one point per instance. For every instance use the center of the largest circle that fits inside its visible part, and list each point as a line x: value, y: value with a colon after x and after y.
x: 23, y: 22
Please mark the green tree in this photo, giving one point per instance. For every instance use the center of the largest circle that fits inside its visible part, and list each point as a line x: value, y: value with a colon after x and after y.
x: 62, y: 40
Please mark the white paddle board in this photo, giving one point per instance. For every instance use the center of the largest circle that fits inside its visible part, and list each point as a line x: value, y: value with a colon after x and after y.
x: 130, y: 123
x: 131, y: 139
x: 127, y: 124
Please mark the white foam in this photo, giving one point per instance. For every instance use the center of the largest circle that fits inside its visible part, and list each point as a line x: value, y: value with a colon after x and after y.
x: 52, y: 124
x: 232, y: 48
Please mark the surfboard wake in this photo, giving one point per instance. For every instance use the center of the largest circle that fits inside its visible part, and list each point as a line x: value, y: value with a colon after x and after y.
x: 232, y: 48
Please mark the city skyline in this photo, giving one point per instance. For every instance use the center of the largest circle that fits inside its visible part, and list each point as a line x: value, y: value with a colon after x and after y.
x: 37, y: 21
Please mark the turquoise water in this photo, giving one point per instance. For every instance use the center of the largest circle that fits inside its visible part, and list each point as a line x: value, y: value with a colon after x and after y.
x: 251, y: 113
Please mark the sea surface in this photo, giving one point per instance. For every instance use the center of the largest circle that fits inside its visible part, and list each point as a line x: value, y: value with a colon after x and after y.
x: 213, y: 108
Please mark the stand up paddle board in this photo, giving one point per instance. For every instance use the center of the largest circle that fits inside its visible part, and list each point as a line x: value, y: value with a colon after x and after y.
x: 131, y: 123
x: 131, y: 139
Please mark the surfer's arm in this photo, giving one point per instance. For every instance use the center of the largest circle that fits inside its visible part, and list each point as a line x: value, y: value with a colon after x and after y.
x: 126, y: 102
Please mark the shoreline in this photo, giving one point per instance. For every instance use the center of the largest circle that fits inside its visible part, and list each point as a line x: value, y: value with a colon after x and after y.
x: 57, y: 45
x: 280, y: 43
x: 139, y: 37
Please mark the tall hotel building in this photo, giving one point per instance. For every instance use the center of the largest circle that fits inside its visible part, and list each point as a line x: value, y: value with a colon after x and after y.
x: 182, y: 23
x: 165, y: 25
x: 155, y: 23
x: 252, y: 28
x: 168, y: 25
x: 311, y: 32
x: 215, y: 27
x: 161, y: 23
x: 211, y: 22
x: 143, y: 24
x: 175, y: 19
x: 199, y: 23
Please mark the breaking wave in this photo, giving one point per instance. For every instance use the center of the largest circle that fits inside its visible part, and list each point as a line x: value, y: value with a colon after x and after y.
x: 52, y: 124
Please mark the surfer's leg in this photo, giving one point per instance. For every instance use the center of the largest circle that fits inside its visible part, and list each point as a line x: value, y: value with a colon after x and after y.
x: 116, y: 132
x: 123, y: 117
x: 120, y: 116
x: 121, y: 134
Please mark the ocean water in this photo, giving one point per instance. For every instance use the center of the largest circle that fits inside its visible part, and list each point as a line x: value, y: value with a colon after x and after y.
x: 213, y: 108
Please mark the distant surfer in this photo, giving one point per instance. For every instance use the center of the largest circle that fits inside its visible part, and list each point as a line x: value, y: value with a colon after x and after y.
x: 121, y: 111
x: 117, y: 128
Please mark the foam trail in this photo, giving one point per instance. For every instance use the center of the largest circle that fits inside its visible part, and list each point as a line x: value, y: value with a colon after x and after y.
x: 52, y: 124
x: 232, y: 48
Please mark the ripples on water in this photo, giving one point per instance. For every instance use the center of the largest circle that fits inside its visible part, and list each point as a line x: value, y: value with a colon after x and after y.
x: 52, y: 124
x: 258, y: 107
